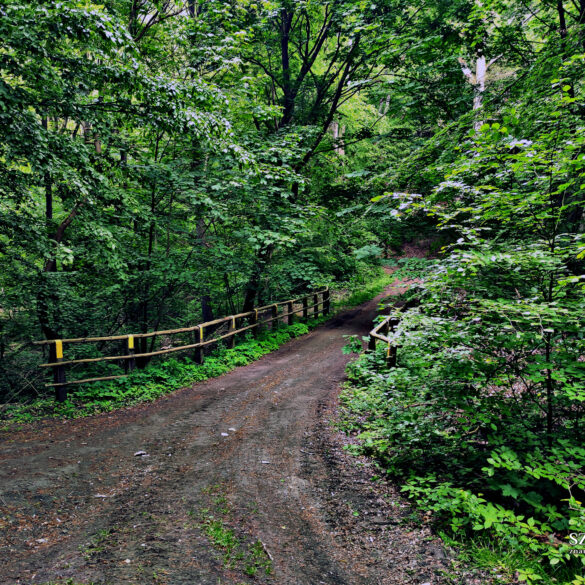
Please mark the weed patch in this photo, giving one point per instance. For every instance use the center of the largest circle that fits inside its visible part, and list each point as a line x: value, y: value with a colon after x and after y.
x: 238, y: 551
x: 359, y: 293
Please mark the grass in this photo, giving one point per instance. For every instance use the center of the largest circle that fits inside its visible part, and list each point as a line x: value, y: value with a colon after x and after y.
x: 239, y: 552
x: 506, y: 565
x: 97, y: 543
x: 362, y: 292
x: 410, y: 268
x: 67, y: 582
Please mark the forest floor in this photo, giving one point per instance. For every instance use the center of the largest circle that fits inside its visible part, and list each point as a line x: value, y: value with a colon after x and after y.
x: 216, y: 484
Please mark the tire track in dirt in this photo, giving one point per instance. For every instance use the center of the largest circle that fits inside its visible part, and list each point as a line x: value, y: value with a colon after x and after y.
x: 76, y: 502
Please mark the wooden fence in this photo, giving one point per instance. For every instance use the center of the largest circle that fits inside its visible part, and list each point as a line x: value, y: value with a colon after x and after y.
x: 380, y: 333
x: 232, y: 325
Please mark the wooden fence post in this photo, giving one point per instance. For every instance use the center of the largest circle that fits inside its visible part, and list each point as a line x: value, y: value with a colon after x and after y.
x: 199, y: 356
x: 305, y: 308
x: 130, y: 363
x: 275, y: 316
x: 289, y: 310
x: 316, y: 307
x: 326, y: 302
x: 56, y: 355
x: 372, y: 343
x: 255, y: 322
x: 393, y: 350
x: 231, y: 341
x: 391, y: 356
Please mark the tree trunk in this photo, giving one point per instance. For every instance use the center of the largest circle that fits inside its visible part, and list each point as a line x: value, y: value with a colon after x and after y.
x: 480, y: 76
x: 289, y: 97
x: 206, y: 310
x: 338, y: 132
x: 478, y: 81
x: 253, y: 286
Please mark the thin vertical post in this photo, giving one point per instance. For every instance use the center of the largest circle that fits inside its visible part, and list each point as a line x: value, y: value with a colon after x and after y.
x: 275, y: 316
x: 231, y: 341
x: 289, y: 310
x: 372, y: 343
x: 56, y: 350
x: 130, y: 363
x: 199, y: 357
x: 391, y: 356
x: 305, y: 308
x: 316, y: 306
x: 255, y: 322
x: 326, y: 301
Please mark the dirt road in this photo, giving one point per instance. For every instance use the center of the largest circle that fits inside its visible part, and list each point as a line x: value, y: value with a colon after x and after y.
x: 239, y: 475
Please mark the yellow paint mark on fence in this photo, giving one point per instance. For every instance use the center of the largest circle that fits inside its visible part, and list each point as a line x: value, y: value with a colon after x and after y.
x: 59, y: 349
x: 130, y: 341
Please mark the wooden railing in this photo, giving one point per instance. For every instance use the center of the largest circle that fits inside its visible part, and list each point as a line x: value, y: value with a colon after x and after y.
x: 380, y: 333
x: 233, y: 324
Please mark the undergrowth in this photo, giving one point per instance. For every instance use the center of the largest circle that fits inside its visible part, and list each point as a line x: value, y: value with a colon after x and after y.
x: 361, y: 293
x: 157, y: 379
x: 510, y: 515
x: 480, y: 423
x: 410, y: 268
x: 164, y: 377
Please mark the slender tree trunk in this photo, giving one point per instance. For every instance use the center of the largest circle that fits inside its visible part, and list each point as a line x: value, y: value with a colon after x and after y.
x: 145, y: 269
x: 206, y: 310
x: 549, y: 394
x: 132, y: 27
x: 254, y: 284
x: 562, y: 19
x: 582, y: 22
x: 289, y: 97
x: 338, y: 131
x: 478, y: 81
x: 480, y: 77
x: 229, y: 292
x: 45, y: 296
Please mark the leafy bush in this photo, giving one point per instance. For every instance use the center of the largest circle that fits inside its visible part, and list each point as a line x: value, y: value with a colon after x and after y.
x: 490, y: 392
x: 524, y: 497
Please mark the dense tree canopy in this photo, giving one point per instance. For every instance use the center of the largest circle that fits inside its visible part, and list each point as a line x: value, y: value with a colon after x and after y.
x: 163, y: 162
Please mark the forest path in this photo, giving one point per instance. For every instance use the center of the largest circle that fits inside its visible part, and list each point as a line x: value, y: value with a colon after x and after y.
x: 252, y: 452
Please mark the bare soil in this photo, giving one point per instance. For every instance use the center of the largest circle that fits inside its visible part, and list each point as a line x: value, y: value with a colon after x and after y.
x: 255, y: 451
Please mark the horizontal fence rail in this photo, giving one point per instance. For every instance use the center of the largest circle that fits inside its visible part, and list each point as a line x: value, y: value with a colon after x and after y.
x: 224, y: 328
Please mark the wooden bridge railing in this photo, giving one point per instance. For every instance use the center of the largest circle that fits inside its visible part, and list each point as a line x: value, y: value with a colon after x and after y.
x: 235, y: 324
x: 380, y: 333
